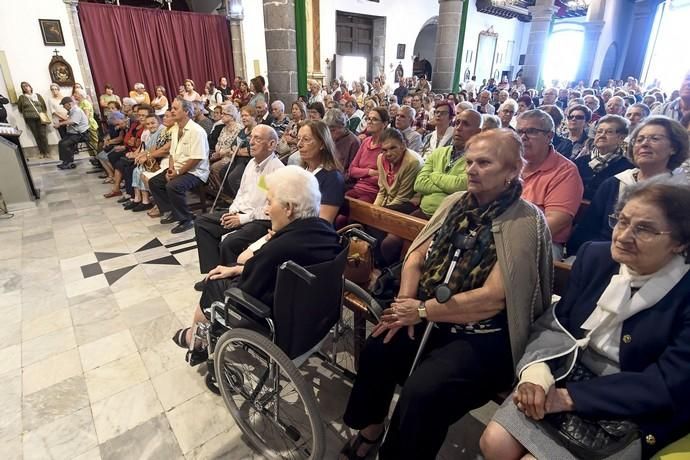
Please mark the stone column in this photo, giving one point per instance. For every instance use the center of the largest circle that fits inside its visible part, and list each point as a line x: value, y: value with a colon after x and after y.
x: 449, y: 18
x: 281, y: 49
x: 589, y: 50
x: 82, y: 57
x: 539, y: 30
x: 313, y: 20
x: 642, y: 22
x: 237, y: 40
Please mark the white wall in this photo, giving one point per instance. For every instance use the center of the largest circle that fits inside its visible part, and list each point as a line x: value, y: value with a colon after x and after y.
x: 507, y: 30
x: 616, y: 17
x: 28, y: 58
x: 404, y: 20
x: 254, y: 39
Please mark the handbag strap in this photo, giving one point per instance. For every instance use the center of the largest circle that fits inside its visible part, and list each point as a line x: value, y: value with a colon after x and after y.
x: 38, y: 112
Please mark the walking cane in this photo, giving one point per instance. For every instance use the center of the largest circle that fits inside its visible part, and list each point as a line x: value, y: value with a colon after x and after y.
x: 442, y: 294
x: 227, y: 171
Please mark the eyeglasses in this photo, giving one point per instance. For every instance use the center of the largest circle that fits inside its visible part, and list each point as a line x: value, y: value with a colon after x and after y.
x: 606, y: 132
x: 531, y: 132
x: 441, y: 112
x: 372, y: 120
x: 576, y: 117
x: 641, y: 232
x: 653, y: 139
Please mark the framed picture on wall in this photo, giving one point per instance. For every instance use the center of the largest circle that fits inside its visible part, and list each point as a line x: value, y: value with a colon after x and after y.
x: 401, y: 51
x: 51, y: 30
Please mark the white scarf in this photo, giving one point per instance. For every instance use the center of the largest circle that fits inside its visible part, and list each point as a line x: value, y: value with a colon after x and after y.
x: 615, y: 305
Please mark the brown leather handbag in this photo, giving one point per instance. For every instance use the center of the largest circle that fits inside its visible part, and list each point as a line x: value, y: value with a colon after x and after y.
x: 360, y: 256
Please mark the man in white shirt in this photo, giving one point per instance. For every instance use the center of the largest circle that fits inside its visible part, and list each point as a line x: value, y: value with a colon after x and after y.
x: 246, y: 218
x: 77, y: 129
x: 471, y: 87
x: 187, y: 170
x: 404, y: 121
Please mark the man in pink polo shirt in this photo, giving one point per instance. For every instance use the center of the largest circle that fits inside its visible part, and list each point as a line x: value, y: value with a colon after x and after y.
x: 550, y: 180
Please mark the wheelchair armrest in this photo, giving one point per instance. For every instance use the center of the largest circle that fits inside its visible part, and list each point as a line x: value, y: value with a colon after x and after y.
x: 298, y: 270
x: 254, y: 305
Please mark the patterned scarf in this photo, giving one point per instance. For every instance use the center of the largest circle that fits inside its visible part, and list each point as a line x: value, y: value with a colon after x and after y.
x: 474, y: 264
x: 599, y: 162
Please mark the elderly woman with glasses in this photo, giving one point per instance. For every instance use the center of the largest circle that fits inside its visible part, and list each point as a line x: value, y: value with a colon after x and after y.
x: 578, y: 118
x: 481, y: 270
x: 226, y: 146
x: 442, y: 135
x: 604, y: 156
x: 659, y: 146
x: 613, y: 355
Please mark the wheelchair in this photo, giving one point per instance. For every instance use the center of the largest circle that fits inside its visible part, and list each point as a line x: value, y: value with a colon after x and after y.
x: 254, y: 354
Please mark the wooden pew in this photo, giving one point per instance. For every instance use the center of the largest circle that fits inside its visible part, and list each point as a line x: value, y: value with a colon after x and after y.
x: 408, y: 227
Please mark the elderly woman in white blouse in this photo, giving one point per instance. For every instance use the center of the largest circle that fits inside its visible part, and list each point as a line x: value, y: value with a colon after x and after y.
x: 609, y: 363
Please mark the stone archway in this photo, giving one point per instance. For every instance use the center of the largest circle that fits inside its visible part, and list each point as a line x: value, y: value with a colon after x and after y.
x: 608, y: 67
x: 425, y: 44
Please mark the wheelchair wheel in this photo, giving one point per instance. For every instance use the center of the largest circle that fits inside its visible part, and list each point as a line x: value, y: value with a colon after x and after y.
x: 268, y: 397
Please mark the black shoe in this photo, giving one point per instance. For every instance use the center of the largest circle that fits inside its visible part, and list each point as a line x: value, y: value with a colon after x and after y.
x: 169, y: 219
x: 94, y: 161
x: 142, y: 207
x: 182, y: 226
x: 200, y: 285
x: 124, y: 199
x: 130, y: 205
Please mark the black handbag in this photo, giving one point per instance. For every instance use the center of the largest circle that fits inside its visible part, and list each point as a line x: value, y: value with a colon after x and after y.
x: 585, y: 437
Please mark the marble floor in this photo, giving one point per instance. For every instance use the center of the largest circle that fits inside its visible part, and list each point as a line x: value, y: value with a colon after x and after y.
x: 90, y: 296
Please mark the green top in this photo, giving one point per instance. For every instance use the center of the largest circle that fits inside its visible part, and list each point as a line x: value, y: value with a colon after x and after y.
x: 87, y: 107
x: 435, y: 182
x: 26, y: 107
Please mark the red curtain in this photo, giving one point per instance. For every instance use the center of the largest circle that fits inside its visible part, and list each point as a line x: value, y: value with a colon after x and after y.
x: 126, y: 45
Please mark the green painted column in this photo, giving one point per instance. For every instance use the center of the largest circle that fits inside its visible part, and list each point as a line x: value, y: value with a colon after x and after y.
x: 301, y: 37
x: 461, y: 48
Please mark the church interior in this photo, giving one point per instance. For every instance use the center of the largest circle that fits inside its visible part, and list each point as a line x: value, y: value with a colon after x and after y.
x: 156, y: 154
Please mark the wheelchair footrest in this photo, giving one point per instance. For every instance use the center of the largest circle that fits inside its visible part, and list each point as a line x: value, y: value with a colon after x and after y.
x: 196, y: 357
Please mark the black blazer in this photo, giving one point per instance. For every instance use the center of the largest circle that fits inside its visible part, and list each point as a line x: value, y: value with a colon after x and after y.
x: 653, y: 387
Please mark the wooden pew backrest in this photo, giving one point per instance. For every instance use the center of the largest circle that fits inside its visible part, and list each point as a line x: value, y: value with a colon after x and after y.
x: 407, y: 227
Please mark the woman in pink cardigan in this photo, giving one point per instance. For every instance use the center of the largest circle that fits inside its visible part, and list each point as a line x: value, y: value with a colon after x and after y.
x: 364, y: 169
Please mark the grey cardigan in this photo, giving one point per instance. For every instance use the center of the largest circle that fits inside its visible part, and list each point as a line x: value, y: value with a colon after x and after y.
x: 523, y: 247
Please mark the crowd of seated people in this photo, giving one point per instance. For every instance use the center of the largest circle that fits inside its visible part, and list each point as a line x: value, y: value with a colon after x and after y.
x: 588, y: 130
x: 499, y: 163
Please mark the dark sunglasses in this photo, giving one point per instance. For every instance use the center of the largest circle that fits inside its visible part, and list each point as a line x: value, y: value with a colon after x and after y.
x: 576, y: 117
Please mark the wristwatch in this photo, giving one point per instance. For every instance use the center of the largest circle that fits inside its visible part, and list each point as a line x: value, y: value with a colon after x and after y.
x: 421, y: 309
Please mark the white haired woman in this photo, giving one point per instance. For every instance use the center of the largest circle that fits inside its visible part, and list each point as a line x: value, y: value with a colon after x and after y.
x: 297, y: 234
x: 225, y: 146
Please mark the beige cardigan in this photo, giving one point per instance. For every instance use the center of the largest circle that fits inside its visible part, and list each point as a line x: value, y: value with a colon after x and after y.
x: 402, y: 188
x: 523, y: 247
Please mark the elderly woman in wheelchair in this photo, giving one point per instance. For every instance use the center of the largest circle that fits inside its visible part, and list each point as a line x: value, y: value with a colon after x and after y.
x: 258, y: 320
